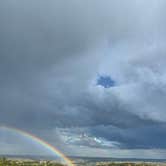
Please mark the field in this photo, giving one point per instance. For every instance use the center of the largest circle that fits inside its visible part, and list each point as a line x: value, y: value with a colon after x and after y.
x: 129, y: 164
x: 20, y: 162
x: 9, y: 162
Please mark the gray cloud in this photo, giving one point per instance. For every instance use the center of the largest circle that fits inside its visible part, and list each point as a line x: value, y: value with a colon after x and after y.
x: 52, y: 52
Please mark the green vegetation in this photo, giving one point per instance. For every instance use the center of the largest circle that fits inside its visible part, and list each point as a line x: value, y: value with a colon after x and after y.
x: 22, y: 162
x: 128, y: 164
x: 8, y: 162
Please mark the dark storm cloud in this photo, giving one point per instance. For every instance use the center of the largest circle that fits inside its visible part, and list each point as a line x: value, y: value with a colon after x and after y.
x: 37, y: 36
x: 145, y: 137
x: 51, y: 54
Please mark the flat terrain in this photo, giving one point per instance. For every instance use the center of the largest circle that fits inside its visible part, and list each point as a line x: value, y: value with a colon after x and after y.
x: 20, y: 162
x: 10, y: 162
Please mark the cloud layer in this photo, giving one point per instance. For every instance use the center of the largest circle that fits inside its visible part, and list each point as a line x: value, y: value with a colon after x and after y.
x: 52, y: 54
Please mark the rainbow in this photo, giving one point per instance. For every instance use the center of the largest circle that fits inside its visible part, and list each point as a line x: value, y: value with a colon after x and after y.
x: 41, y: 142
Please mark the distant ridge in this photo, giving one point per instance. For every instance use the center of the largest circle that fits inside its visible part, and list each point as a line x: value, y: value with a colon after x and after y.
x: 109, y: 159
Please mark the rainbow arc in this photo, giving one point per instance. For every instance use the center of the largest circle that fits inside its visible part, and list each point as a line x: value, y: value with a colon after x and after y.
x: 41, y: 142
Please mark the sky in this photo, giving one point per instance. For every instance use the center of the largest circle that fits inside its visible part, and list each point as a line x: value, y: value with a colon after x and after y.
x: 89, y: 77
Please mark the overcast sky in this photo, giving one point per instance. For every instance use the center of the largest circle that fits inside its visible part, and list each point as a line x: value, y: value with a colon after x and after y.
x: 87, y: 76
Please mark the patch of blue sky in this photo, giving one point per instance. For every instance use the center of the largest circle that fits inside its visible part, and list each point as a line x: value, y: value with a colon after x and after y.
x: 105, y: 81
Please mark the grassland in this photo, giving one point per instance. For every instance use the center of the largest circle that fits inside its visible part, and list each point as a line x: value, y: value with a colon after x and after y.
x: 129, y: 164
x: 9, y: 162
x: 20, y: 162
